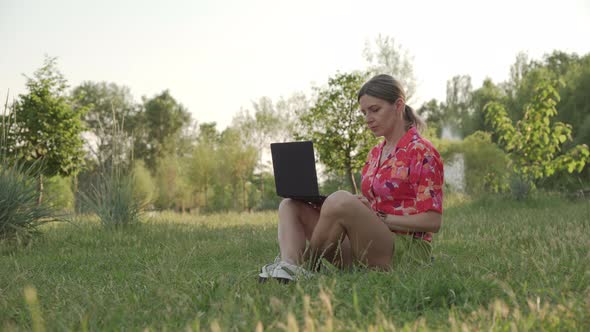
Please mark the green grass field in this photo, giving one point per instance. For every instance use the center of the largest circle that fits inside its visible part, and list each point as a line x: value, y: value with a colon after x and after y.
x: 499, y: 265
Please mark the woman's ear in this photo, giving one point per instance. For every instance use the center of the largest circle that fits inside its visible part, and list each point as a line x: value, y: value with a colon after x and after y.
x: 400, y: 105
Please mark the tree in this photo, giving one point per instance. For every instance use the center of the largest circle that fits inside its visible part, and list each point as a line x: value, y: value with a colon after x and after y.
x: 263, y: 126
x: 434, y: 112
x: 337, y: 127
x: 239, y: 162
x: 457, y: 108
x: 534, y: 145
x: 203, y: 163
x: 388, y: 57
x: 46, y: 127
x: 487, y: 93
x: 108, y: 106
x: 159, y: 128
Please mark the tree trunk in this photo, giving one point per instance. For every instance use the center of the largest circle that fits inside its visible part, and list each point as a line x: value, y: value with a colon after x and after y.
x: 76, y: 198
x: 40, y: 183
x: 205, y: 194
x: 351, y: 181
x: 244, y: 195
x: 261, y: 188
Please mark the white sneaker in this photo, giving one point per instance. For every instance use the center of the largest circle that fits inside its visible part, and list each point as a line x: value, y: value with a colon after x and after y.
x: 264, y: 271
x: 283, y: 272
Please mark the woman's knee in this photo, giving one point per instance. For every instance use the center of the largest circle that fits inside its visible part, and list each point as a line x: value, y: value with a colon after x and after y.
x: 286, y: 204
x: 338, y: 203
x: 291, y: 206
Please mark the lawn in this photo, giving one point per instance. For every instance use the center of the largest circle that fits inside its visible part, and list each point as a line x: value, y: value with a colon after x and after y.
x: 499, y: 264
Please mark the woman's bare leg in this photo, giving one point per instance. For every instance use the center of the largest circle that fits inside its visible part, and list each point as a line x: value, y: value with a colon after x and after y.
x: 343, y: 214
x: 297, y: 221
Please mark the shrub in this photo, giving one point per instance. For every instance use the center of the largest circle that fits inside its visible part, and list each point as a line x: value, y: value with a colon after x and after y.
x: 59, y: 194
x: 486, y: 165
x: 143, y: 183
x: 20, y: 213
x: 114, y: 201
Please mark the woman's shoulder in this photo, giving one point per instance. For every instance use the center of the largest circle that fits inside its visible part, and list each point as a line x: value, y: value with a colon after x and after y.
x: 423, y: 146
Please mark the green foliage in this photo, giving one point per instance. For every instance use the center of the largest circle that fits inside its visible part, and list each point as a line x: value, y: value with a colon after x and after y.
x: 171, y: 181
x: 59, y: 194
x: 486, y: 165
x: 434, y: 112
x: 105, y: 106
x: 114, y: 201
x: 534, y: 145
x: 202, y: 170
x: 385, y: 56
x: 458, y: 104
x: 239, y: 161
x: 337, y: 128
x: 45, y: 126
x: 20, y: 214
x: 143, y: 183
x: 159, y: 128
x: 475, y: 119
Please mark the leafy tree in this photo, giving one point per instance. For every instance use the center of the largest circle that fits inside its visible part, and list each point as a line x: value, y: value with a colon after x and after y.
x: 574, y: 106
x: 46, y: 128
x: 261, y: 127
x: 434, y: 113
x: 202, y: 168
x: 159, y: 128
x: 144, y: 187
x: 107, y: 106
x: 239, y: 162
x: 337, y: 128
x: 457, y: 108
x: 172, y: 183
x: 290, y: 110
x: 386, y: 56
x: 487, y: 93
x: 534, y: 144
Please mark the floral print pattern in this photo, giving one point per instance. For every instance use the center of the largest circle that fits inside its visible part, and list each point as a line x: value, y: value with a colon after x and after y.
x: 409, y: 181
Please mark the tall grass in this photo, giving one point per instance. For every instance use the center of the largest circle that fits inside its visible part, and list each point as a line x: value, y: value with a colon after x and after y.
x: 114, y: 201
x: 113, y: 196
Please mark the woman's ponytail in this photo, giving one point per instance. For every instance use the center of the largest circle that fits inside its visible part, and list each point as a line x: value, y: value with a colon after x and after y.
x: 412, y: 119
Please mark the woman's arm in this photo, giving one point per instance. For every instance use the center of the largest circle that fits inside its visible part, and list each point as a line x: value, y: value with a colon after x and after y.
x: 423, y: 222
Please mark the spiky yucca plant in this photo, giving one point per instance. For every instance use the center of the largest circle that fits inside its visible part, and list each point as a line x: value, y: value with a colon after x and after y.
x: 20, y: 213
x: 114, y: 202
x: 113, y: 197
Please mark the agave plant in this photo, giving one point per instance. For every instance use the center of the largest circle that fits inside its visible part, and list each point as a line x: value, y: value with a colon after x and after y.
x: 20, y: 213
x: 114, y: 201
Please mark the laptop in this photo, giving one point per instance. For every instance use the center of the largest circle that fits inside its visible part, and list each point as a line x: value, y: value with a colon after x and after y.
x: 295, y: 174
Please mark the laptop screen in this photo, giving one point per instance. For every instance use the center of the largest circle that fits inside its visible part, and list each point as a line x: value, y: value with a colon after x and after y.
x: 294, y: 169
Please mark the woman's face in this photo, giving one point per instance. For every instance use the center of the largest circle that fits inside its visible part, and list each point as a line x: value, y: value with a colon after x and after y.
x: 381, y: 116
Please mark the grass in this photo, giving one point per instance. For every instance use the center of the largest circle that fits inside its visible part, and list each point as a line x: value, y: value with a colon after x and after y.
x: 499, y: 265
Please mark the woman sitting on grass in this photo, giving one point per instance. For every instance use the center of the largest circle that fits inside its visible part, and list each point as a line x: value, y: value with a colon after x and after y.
x: 400, y: 207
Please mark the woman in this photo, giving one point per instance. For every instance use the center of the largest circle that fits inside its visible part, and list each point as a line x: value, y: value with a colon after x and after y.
x: 400, y: 207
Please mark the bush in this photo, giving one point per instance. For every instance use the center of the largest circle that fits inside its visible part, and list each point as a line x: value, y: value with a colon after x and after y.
x: 114, y: 201
x: 58, y: 193
x: 486, y: 165
x: 20, y: 214
x: 143, y: 183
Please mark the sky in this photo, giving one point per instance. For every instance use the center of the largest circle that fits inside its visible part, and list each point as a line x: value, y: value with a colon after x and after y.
x: 217, y: 56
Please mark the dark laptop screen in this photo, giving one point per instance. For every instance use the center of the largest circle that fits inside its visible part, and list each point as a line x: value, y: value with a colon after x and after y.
x: 294, y: 168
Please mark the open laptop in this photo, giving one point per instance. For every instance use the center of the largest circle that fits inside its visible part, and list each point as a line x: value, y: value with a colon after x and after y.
x: 295, y: 173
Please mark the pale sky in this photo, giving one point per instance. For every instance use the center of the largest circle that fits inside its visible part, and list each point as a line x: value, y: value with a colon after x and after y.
x: 216, y: 56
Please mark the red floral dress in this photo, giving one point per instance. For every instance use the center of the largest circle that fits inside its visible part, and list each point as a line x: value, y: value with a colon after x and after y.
x: 408, y: 182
